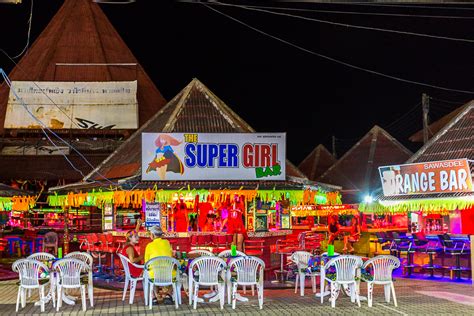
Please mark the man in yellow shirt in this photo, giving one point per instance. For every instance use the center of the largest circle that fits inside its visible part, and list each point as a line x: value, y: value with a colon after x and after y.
x: 158, y: 247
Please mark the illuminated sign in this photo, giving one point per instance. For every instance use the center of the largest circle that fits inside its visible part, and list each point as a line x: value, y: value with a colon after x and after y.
x: 206, y: 156
x: 446, y: 176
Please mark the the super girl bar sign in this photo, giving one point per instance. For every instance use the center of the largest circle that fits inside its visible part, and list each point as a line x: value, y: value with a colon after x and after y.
x: 206, y: 156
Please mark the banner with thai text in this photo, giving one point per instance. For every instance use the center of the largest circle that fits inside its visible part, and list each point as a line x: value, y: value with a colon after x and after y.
x: 426, y: 177
x: 72, y: 105
x: 208, y: 156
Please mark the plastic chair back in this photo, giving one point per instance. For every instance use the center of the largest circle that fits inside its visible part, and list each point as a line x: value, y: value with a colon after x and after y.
x: 249, y: 269
x: 41, y: 256
x: 346, y: 266
x: 208, y: 269
x: 301, y: 259
x: 70, y: 271
x: 29, y: 271
x: 227, y: 253
x: 83, y: 256
x: 200, y: 252
x: 163, y: 268
x: 383, y: 266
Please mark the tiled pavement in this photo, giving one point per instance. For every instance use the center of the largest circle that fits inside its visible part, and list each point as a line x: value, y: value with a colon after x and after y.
x: 415, y: 297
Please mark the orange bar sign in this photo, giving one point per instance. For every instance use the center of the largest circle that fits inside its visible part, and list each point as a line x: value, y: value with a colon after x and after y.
x: 445, y: 176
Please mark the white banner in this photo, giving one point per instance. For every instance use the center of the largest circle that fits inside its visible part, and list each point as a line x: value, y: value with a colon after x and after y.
x: 32, y: 150
x: 152, y: 214
x: 73, y: 105
x: 201, y: 156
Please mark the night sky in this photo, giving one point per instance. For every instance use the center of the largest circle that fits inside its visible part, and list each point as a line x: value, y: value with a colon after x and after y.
x: 278, y: 88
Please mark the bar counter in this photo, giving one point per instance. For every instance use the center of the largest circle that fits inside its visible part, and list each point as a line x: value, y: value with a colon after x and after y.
x: 183, y: 240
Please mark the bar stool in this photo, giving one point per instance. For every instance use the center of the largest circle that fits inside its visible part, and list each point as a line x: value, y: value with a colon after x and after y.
x: 455, y: 249
x: 284, y: 247
x: 433, y: 248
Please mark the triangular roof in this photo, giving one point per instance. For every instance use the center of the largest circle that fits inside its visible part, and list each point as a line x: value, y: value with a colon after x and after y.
x: 77, y: 45
x: 436, y: 126
x: 455, y: 140
x: 356, y: 170
x: 318, y: 161
x: 194, y: 109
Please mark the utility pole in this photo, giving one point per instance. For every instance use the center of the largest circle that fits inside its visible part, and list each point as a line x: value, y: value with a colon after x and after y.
x: 334, y: 146
x: 425, y: 102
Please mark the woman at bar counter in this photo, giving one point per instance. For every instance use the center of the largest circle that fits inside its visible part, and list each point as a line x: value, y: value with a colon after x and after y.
x: 131, y: 252
x: 353, y: 237
x: 181, y: 215
x: 235, y: 224
x: 333, y: 229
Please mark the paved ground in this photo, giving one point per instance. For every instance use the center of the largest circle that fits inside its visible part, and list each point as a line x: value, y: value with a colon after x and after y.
x: 415, y: 297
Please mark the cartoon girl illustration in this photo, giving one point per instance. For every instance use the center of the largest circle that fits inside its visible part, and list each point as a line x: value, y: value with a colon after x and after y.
x: 165, y: 159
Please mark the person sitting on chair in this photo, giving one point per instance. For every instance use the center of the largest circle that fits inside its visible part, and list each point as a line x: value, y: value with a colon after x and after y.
x: 353, y: 237
x: 130, y: 251
x: 334, y: 229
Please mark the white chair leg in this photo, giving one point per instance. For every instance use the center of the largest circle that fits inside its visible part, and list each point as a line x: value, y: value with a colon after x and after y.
x: 150, y: 293
x: 52, y: 290
x: 90, y: 289
x: 302, y: 283
x: 221, y: 293
x: 133, y: 287
x: 234, y: 292
x: 18, y: 299
x: 321, y: 288
x: 313, y: 283
x: 387, y: 292
x: 333, y: 294
x: 60, y: 301
x: 83, y: 297
x: 41, y: 295
x: 245, y: 289
x: 253, y: 290
x: 260, y: 295
x: 125, y: 288
x: 370, y: 289
x: 175, y: 295
x: 190, y: 289
x: 23, y: 298
x: 356, y: 293
x: 296, y: 283
x: 145, y: 291
x: 229, y: 292
x: 195, y: 297
x: 178, y: 288
x: 393, y: 292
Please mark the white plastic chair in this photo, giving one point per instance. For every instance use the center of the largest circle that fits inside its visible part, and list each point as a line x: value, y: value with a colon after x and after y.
x: 41, y: 256
x: 200, y: 252
x: 382, y: 266
x: 29, y: 272
x: 129, y: 280
x: 208, y: 270
x: 227, y: 253
x: 163, y: 268
x: 301, y: 258
x: 70, y: 278
x: 89, y: 260
x: 346, y: 268
x: 249, y: 272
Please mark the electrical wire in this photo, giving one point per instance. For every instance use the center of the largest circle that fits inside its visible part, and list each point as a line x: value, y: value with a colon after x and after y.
x: 364, y: 13
x: 337, y: 60
x: 8, y: 81
x: 388, y: 5
x: 17, y: 66
x: 30, y: 21
x: 345, y: 24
